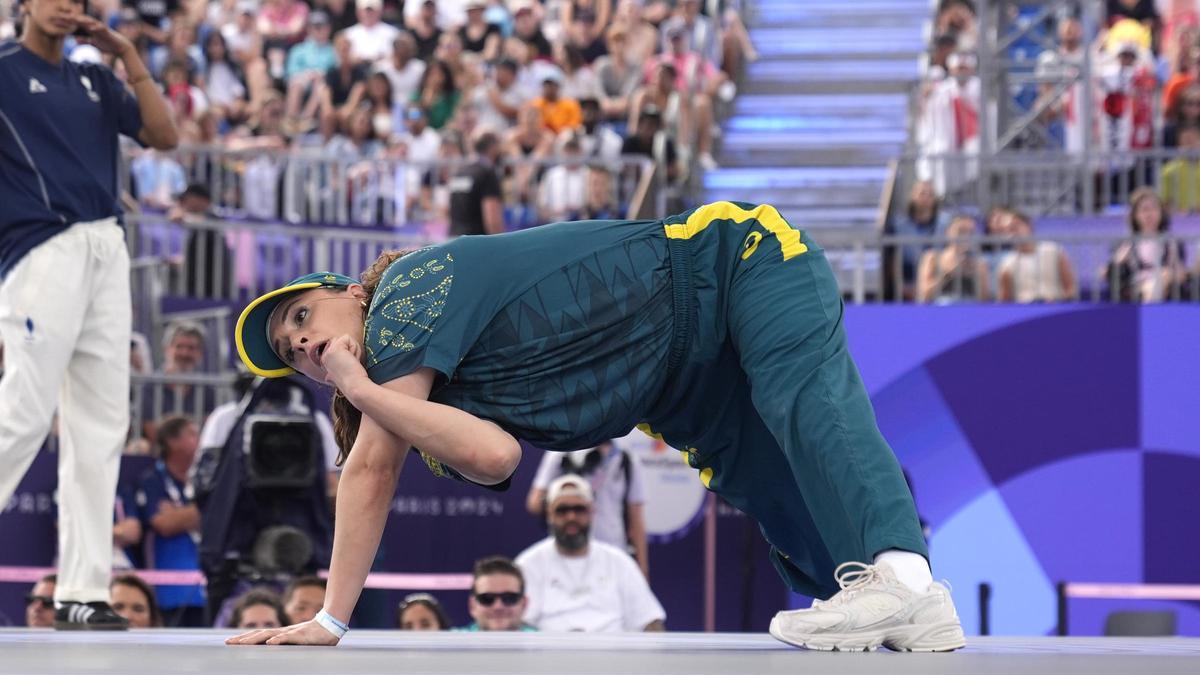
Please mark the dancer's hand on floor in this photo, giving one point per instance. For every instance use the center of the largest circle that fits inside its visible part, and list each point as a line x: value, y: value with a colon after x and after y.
x: 307, y: 633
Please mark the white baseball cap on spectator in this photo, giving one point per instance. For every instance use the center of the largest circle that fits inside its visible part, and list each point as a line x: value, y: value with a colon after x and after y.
x: 247, y: 7
x: 518, y: 6
x: 474, y: 4
x: 569, y: 485
x: 376, y: 5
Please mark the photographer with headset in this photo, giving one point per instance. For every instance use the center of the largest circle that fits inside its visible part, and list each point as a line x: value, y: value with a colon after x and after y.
x: 615, y: 475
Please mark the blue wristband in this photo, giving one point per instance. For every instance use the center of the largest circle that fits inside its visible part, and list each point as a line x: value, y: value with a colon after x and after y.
x: 337, y: 628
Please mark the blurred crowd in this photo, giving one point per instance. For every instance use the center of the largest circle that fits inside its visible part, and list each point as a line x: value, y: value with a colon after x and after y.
x: 560, y: 81
x: 1139, y: 114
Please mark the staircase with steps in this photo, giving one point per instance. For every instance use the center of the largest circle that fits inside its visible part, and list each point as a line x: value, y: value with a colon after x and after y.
x: 823, y: 110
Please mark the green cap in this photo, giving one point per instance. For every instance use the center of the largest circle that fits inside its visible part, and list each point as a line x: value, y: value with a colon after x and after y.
x: 251, y: 336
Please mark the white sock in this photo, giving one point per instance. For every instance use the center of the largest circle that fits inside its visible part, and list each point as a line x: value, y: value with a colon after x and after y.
x: 911, y: 569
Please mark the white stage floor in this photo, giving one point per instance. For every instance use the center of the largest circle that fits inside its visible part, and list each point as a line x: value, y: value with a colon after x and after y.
x: 392, y: 652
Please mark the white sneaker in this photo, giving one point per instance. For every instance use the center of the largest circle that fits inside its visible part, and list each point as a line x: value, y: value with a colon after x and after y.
x: 706, y: 161
x: 872, y: 609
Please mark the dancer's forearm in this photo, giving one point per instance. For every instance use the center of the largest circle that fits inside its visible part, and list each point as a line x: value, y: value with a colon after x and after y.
x: 364, y: 498
x: 476, y: 448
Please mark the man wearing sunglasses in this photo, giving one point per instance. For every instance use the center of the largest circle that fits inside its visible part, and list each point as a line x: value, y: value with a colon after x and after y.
x: 576, y: 584
x: 39, y: 604
x: 497, y: 599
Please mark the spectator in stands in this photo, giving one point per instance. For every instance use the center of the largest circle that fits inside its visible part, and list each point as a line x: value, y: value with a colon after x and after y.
x: 1035, y: 271
x: 948, y: 129
x: 187, y: 100
x: 370, y: 39
x: 616, y: 478
x: 1181, y: 176
x: 404, y: 70
x: 422, y: 611
x: 1185, y: 61
x: 450, y: 51
x: 563, y: 190
x: 208, y: 261
x: 558, y: 112
x: 577, y: 584
x: 419, y: 144
x: 435, y: 183
x: 943, y: 46
x: 172, y: 520
x: 155, y: 17
x: 530, y: 141
x: 242, y: 38
x: 39, y: 604
x: 601, y: 200
x: 1144, y: 12
x: 425, y: 29
x: 642, y: 37
x: 660, y: 92
x: 302, y: 599
x: 701, y: 34
x: 957, y: 18
x: 157, y: 178
x: 282, y: 23
x: 134, y: 599
x: 618, y: 78
x: 477, y: 35
x: 500, y: 98
x: 955, y: 273
x: 1148, y: 267
x: 650, y: 141
x: 224, y: 84
x: 579, y: 81
x: 476, y: 205
x: 437, y: 94
x: 584, y: 24
x: 923, y: 217
x: 181, y: 48
x: 345, y: 81
x: 596, y: 140
x: 1057, y: 66
x: 1186, y: 114
x: 259, y: 607
x: 497, y: 600
x: 528, y: 27
x: 183, y: 354
x: 307, y: 63
x: 377, y: 98
x: 699, y: 82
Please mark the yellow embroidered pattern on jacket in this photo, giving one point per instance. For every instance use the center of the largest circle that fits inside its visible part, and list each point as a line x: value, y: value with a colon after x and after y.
x: 397, y: 322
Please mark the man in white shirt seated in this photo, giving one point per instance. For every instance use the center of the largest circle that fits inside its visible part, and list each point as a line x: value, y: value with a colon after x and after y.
x: 576, y: 584
x: 371, y: 39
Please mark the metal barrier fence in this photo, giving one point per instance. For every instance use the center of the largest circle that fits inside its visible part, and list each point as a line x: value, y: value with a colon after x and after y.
x: 230, y: 260
x: 312, y: 186
x: 1053, y: 182
x: 1103, y: 268
x: 195, y: 395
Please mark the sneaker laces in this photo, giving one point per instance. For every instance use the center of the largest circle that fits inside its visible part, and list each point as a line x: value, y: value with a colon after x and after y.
x: 852, y: 577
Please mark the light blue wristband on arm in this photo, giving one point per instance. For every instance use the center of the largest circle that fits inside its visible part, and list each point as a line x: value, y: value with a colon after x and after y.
x: 337, y: 628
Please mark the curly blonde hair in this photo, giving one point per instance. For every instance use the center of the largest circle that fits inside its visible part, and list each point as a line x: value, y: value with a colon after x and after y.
x: 347, y: 418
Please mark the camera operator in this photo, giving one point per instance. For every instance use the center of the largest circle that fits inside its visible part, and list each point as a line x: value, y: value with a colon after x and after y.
x: 263, y: 482
x: 222, y: 419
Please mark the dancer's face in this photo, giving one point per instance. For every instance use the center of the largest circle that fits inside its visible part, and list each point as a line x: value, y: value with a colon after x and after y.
x: 303, y: 325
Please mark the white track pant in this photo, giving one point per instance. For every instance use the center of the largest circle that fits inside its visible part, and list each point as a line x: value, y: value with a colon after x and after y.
x: 65, y: 320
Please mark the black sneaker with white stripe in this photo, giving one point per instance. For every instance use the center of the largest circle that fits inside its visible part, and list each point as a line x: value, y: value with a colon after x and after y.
x: 88, y: 616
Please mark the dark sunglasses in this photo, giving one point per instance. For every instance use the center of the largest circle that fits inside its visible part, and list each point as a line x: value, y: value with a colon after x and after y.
x: 577, y: 509
x: 508, y: 599
x: 46, y: 601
